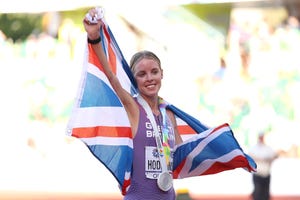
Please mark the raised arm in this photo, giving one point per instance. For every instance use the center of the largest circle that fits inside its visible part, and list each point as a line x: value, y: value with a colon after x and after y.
x: 93, y: 34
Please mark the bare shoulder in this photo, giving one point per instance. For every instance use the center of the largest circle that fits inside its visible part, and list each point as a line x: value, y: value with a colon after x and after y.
x: 171, y: 115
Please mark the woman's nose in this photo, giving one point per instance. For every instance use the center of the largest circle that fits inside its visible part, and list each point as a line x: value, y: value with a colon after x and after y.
x: 149, y: 77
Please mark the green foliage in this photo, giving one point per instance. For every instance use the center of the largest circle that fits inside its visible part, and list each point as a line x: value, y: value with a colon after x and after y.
x: 19, y: 26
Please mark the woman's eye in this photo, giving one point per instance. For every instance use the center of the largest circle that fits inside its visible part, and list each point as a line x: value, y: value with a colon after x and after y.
x: 141, y: 74
x: 155, y: 71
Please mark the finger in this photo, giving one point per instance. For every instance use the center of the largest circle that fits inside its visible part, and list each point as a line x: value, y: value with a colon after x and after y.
x: 86, y: 21
x: 92, y: 12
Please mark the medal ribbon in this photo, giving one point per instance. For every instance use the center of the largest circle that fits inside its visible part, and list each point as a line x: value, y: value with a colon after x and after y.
x: 165, y: 131
x: 160, y: 147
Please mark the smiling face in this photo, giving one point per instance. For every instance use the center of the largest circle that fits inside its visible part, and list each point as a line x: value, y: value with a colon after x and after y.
x: 147, y: 71
x: 148, y: 74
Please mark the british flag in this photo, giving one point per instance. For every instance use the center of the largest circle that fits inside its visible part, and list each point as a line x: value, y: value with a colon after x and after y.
x: 100, y: 121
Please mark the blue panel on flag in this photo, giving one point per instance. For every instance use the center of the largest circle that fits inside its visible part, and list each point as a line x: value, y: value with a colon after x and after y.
x: 117, y: 159
x: 214, y: 149
x: 97, y: 93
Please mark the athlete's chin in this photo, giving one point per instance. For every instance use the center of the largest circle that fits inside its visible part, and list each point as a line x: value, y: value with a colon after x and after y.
x: 150, y: 93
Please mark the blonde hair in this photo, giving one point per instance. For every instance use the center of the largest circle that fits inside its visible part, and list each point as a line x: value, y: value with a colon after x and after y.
x: 143, y: 54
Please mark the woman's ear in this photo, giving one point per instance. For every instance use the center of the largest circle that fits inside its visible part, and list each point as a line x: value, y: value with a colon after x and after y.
x: 162, y: 73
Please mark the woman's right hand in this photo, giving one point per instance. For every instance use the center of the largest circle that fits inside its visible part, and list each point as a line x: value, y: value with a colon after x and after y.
x: 92, y: 29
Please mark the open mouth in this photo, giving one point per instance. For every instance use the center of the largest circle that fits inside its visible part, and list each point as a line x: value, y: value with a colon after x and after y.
x: 150, y: 86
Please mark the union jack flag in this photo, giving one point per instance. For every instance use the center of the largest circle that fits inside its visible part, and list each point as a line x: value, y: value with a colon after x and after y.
x: 100, y: 121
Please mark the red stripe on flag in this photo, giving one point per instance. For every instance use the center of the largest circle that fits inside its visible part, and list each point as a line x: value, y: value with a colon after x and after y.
x: 93, y: 58
x: 219, y: 127
x: 105, y: 131
x: 185, y: 129
x: 236, y: 162
x: 112, y: 59
x: 178, y: 169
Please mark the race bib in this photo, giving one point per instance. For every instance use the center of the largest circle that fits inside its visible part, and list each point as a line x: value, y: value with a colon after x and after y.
x: 152, y: 163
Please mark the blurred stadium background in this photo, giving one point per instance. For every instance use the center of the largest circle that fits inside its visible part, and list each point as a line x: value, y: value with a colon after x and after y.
x: 239, y: 59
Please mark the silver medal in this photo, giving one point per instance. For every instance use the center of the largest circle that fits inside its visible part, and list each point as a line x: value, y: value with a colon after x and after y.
x: 165, y: 181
